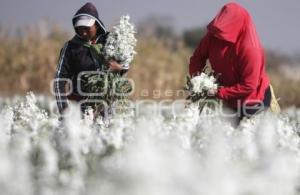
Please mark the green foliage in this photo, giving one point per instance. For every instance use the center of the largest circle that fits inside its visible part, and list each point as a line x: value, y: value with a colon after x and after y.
x: 106, y: 88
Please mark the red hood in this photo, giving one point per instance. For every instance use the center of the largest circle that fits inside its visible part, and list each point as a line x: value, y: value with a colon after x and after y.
x: 233, y: 23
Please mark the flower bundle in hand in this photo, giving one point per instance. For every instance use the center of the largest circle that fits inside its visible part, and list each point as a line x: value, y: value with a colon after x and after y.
x: 199, y: 86
x: 121, y: 42
x: 108, y: 87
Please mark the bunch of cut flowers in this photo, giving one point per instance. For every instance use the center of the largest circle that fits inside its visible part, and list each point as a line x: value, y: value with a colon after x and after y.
x: 121, y: 43
x: 199, y: 88
x: 107, y: 87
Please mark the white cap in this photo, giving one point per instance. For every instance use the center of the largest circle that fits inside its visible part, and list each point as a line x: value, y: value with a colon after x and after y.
x: 84, y: 21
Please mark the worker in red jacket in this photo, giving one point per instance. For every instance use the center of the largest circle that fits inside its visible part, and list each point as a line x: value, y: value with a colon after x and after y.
x: 235, y: 53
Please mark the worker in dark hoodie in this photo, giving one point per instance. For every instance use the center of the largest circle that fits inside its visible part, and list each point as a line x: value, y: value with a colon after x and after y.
x: 78, y: 55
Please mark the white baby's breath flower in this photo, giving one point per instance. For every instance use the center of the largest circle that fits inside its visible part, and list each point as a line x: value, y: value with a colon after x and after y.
x: 203, y: 82
x: 121, y: 42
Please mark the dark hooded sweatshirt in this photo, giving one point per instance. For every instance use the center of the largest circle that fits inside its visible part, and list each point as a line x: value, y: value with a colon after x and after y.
x: 76, y: 57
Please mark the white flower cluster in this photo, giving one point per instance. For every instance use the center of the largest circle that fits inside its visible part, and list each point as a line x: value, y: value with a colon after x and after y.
x: 121, y: 42
x: 203, y: 82
x: 82, y: 156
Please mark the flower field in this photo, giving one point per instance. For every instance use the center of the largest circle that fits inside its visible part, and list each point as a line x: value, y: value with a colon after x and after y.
x: 145, y: 152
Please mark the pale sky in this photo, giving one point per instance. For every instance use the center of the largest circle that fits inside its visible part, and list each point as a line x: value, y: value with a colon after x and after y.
x: 277, y: 21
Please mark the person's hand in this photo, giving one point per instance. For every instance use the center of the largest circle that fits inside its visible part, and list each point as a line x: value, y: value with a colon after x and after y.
x: 114, y: 66
x: 212, y: 92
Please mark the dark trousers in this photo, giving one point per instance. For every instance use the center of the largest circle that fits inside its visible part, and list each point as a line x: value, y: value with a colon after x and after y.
x: 257, y: 108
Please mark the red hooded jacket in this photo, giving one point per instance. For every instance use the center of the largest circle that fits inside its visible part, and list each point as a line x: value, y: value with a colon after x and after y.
x: 234, y: 50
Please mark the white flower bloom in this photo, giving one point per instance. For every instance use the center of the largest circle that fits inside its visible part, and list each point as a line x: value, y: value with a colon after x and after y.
x: 203, y: 82
x: 121, y: 42
x: 193, y: 150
